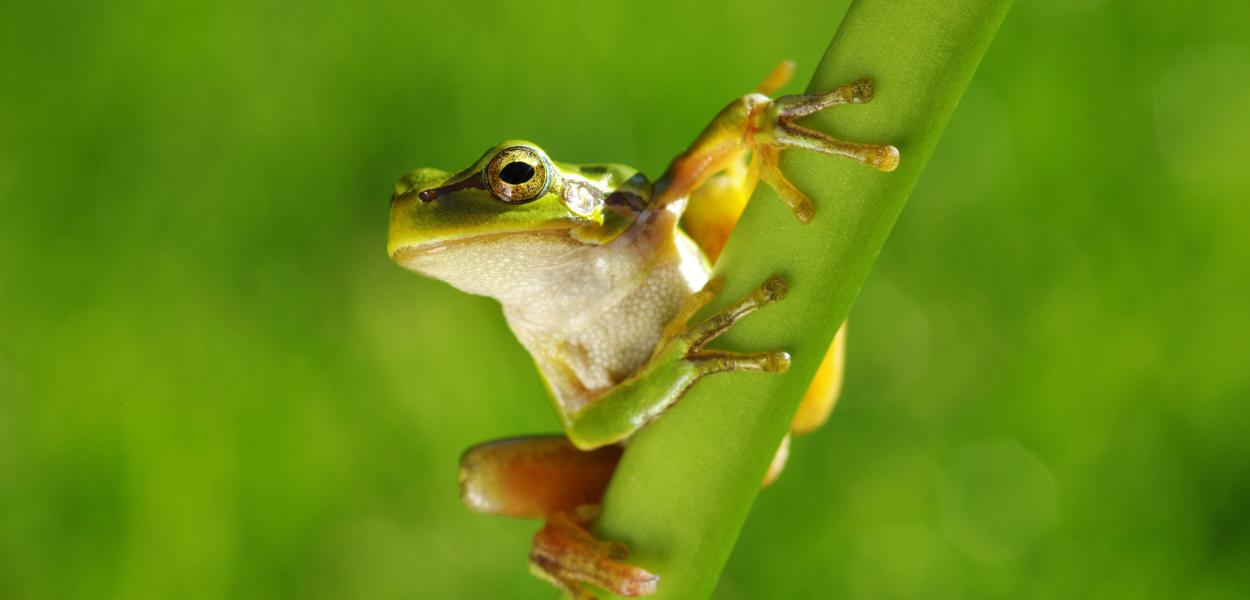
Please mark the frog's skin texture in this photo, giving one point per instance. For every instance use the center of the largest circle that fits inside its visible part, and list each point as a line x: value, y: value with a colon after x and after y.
x: 599, y: 273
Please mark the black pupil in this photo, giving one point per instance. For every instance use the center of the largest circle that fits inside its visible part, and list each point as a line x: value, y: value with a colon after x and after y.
x: 516, y: 173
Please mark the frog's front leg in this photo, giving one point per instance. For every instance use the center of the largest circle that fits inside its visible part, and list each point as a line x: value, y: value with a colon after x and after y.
x: 679, y: 360
x: 764, y: 127
x: 563, y: 480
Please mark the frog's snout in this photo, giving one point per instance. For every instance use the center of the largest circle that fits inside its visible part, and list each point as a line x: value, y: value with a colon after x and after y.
x: 417, y: 183
x: 405, y: 226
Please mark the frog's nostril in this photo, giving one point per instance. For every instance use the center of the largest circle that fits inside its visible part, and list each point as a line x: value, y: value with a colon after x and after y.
x: 402, y: 194
x: 432, y: 194
x: 417, y: 181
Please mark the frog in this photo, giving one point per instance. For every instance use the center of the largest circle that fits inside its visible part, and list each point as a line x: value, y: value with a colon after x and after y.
x: 600, y: 273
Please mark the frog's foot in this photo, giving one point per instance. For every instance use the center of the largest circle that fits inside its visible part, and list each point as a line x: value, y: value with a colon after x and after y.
x: 776, y: 130
x: 679, y: 361
x: 693, y: 338
x: 567, y: 555
x: 718, y: 361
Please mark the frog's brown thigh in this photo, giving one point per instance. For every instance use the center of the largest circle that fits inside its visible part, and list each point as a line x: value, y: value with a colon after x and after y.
x: 533, y: 477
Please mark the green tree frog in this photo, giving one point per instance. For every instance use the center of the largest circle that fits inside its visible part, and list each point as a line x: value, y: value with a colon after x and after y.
x: 599, y: 272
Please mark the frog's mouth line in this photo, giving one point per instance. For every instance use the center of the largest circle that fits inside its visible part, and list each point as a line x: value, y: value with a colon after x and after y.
x: 410, y: 253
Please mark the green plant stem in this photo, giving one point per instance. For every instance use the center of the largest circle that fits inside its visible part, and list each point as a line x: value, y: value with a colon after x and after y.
x: 686, y: 483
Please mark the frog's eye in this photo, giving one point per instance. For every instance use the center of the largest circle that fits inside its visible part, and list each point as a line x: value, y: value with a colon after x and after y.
x: 518, y: 175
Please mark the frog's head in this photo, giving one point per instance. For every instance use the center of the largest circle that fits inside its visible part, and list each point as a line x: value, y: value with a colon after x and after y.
x: 512, y: 195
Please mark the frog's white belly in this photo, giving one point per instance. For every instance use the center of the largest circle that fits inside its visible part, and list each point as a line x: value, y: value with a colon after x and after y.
x: 590, y: 315
x: 579, y: 355
x: 603, y: 317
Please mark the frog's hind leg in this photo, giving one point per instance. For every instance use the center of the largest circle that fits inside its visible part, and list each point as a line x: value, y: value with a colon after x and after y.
x: 822, y: 395
x: 779, y: 462
x: 546, y: 477
x: 534, y: 476
x: 567, y: 555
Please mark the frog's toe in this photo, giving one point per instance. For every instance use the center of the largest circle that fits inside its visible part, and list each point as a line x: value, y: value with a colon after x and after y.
x: 698, y: 335
x: 565, y: 554
x: 801, y: 105
x: 882, y: 157
x: 785, y: 133
x: 720, y: 362
x: 778, y: 131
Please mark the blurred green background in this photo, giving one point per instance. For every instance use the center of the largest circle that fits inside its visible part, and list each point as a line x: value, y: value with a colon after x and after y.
x: 213, y: 383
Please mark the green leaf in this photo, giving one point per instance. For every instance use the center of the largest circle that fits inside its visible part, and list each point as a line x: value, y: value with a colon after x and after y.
x: 686, y: 483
